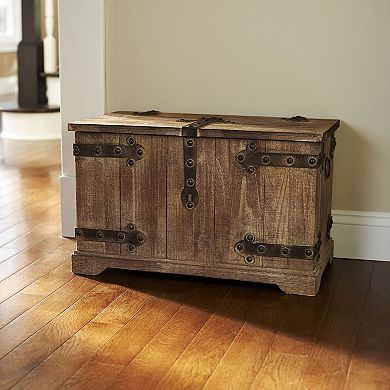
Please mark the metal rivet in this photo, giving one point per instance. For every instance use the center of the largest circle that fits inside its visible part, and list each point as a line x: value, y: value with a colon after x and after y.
x: 140, y: 238
x: 99, y: 235
x: 312, y: 161
x: 190, y: 182
x: 190, y: 163
x: 190, y: 143
x: 308, y: 252
x: 252, y: 146
x: 261, y: 248
x: 117, y: 150
x: 240, y: 157
x: 131, y: 140
x: 140, y: 152
x: 290, y: 161
x: 285, y: 251
x: 190, y: 205
x: 250, y: 237
x: 266, y: 159
x: 121, y: 236
x: 131, y: 248
x: 240, y: 247
x: 251, y: 169
x: 79, y: 233
x: 131, y: 226
x: 76, y: 150
x: 249, y: 259
x: 98, y: 150
x: 130, y: 162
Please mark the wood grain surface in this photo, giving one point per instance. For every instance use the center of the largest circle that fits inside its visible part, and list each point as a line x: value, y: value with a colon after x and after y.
x: 138, y: 330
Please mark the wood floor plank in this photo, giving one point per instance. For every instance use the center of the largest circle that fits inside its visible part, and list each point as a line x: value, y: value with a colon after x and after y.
x: 330, y: 356
x: 370, y: 363
x: 155, y: 359
x: 26, y: 298
x: 29, y: 256
x: 20, y: 361
x: 81, y: 347
x: 34, y: 271
x: 197, y: 362
x: 39, y: 315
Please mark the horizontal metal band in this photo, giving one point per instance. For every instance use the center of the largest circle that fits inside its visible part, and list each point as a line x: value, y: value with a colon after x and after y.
x: 132, y: 236
x: 250, y: 159
x: 248, y: 248
x: 132, y: 151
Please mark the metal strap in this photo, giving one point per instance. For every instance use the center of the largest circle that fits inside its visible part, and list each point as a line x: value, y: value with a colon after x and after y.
x: 189, y: 194
x: 250, y: 159
x: 248, y: 248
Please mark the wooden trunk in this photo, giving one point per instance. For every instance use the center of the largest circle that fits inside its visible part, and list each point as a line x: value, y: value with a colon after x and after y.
x: 235, y: 197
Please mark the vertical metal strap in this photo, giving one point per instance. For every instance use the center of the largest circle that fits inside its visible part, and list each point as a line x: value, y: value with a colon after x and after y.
x: 189, y: 194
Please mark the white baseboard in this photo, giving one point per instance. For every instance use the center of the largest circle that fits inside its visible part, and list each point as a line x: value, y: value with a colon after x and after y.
x: 68, y: 205
x: 357, y: 234
x: 27, y: 126
x: 361, y: 235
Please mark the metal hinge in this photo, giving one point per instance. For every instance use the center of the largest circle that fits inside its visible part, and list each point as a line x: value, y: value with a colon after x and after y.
x: 189, y: 193
x: 132, y: 151
x: 250, y: 159
x: 132, y: 236
x: 248, y: 249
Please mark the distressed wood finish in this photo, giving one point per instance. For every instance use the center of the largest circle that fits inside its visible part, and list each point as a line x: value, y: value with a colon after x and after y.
x: 278, y: 205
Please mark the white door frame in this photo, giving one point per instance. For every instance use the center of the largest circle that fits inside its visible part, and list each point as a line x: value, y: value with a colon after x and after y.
x: 82, y: 78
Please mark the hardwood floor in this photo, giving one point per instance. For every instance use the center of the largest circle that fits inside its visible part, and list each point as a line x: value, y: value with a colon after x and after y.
x: 131, y: 330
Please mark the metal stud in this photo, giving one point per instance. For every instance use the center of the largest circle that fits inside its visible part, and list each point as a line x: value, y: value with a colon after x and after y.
x: 290, y: 160
x: 121, y: 236
x: 251, y: 169
x: 312, y: 161
x: 131, y: 140
x: 285, y: 251
x: 98, y: 150
x: 190, y: 205
x: 261, y: 248
x: 308, y: 252
x: 76, y: 150
x: 140, y: 152
x: 249, y: 259
x: 266, y: 159
x: 190, y: 143
x: 252, y: 146
x: 140, y: 238
x: 131, y: 226
x: 190, y: 163
x: 190, y: 182
x: 131, y: 248
x: 130, y: 162
x: 240, y: 157
x: 99, y: 235
x: 240, y: 247
x: 250, y: 237
x: 117, y: 150
x: 79, y: 233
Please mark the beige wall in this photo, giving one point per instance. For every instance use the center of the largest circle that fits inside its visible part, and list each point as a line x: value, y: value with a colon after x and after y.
x: 325, y: 58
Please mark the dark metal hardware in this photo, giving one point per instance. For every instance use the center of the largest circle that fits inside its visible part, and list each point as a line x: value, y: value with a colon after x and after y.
x: 147, y: 113
x: 132, y: 151
x: 250, y: 159
x: 248, y: 248
x: 297, y: 118
x: 132, y: 237
x: 327, y: 167
x: 191, y: 130
x: 189, y: 194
